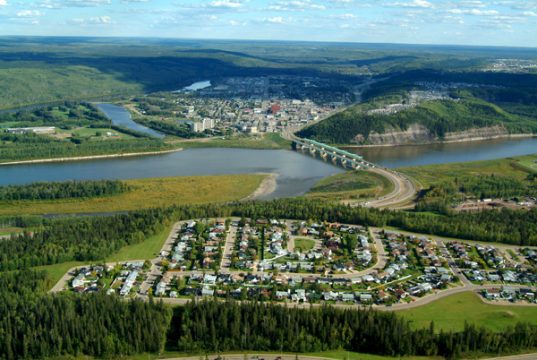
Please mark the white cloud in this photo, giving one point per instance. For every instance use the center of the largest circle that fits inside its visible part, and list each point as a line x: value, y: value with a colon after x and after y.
x: 97, y: 20
x: 86, y: 3
x: 29, y: 13
x: 475, y: 12
x: 3, y: 2
x: 275, y: 20
x: 414, y: 4
x: 296, y: 5
x: 530, y: 13
x: 347, y: 16
x: 229, y: 4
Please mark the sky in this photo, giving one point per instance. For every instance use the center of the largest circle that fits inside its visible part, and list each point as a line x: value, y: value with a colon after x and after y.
x: 464, y: 22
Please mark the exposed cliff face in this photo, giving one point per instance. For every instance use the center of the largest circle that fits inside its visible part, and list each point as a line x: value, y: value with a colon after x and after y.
x: 418, y: 134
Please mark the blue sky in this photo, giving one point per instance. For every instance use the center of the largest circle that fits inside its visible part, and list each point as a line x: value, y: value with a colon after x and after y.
x: 469, y: 22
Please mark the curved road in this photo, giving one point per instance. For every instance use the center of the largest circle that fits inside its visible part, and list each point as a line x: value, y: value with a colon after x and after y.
x: 402, y: 195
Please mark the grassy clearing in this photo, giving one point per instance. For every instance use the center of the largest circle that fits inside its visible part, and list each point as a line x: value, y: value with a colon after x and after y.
x: 513, y: 167
x: 10, y: 230
x: 149, y: 249
x: 452, y: 312
x: 351, y: 185
x: 147, y: 193
x: 529, y: 162
x: 304, y: 244
x: 264, y: 141
x: 56, y: 271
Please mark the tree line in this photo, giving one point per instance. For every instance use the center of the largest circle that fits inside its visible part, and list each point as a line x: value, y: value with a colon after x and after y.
x: 211, y: 326
x: 63, y: 190
x: 31, y: 146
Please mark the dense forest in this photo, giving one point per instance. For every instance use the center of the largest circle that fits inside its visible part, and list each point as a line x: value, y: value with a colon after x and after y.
x: 441, y: 196
x: 63, y: 190
x: 218, y: 327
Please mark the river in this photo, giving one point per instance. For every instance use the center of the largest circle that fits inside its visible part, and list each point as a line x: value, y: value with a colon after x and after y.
x: 121, y: 117
x: 297, y: 173
x: 415, y: 155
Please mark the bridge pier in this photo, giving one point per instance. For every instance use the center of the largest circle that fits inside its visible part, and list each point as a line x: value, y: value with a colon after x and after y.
x: 337, y: 156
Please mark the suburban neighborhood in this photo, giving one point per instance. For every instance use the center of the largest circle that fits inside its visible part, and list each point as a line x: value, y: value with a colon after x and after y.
x: 315, y: 262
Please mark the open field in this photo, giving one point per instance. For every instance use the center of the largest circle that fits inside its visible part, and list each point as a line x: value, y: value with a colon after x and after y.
x: 149, y: 249
x: 452, y: 312
x: 513, y: 167
x: 264, y: 141
x: 529, y: 162
x: 56, y: 271
x: 147, y: 193
x: 304, y: 244
x: 351, y: 185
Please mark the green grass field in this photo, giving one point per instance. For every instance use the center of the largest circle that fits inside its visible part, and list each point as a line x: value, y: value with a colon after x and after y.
x: 147, y: 193
x: 262, y: 141
x: 451, y: 312
x: 513, y: 167
x: 149, y: 249
x: 351, y: 185
x: 304, y: 244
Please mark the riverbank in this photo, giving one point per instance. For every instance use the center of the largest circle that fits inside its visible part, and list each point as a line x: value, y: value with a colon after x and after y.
x: 147, y: 193
x: 89, y: 157
x: 437, y: 142
x: 267, y: 187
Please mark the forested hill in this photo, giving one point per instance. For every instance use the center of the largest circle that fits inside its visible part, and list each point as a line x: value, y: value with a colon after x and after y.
x: 435, y: 118
x: 431, y: 106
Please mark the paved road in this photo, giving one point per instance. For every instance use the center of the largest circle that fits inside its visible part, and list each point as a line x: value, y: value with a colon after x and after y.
x: 228, y: 249
x: 253, y: 356
x: 515, y: 357
x: 402, y: 195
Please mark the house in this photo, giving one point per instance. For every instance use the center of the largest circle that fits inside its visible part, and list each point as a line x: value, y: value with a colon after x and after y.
x: 330, y: 296
x: 492, y: 294
x: 206, y: 291
x: 161, y: 288
x: 78, y: 281
x: 366, y: 298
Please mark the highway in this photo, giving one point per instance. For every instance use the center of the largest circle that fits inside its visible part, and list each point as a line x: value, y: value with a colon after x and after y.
x: 401, y: 197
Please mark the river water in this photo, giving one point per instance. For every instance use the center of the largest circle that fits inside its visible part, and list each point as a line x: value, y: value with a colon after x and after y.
x: 121, y: 117
x: 297, y: 172
x: 415, y: 155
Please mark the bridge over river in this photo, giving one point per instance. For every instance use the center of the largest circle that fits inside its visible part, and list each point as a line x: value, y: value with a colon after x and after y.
x: 400, y: 197
x: 337, y: 156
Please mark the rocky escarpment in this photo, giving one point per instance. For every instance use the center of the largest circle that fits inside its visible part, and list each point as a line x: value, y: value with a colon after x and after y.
x: 419, y: 134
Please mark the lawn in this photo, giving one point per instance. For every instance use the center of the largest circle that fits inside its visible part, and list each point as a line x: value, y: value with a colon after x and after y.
x: 513, y: 167
x: 351, y: 185
x: 149, y: 249
x: 147, y: 193
x: 452, y: 312
x: 304, y: 244
x: 56, y: 271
